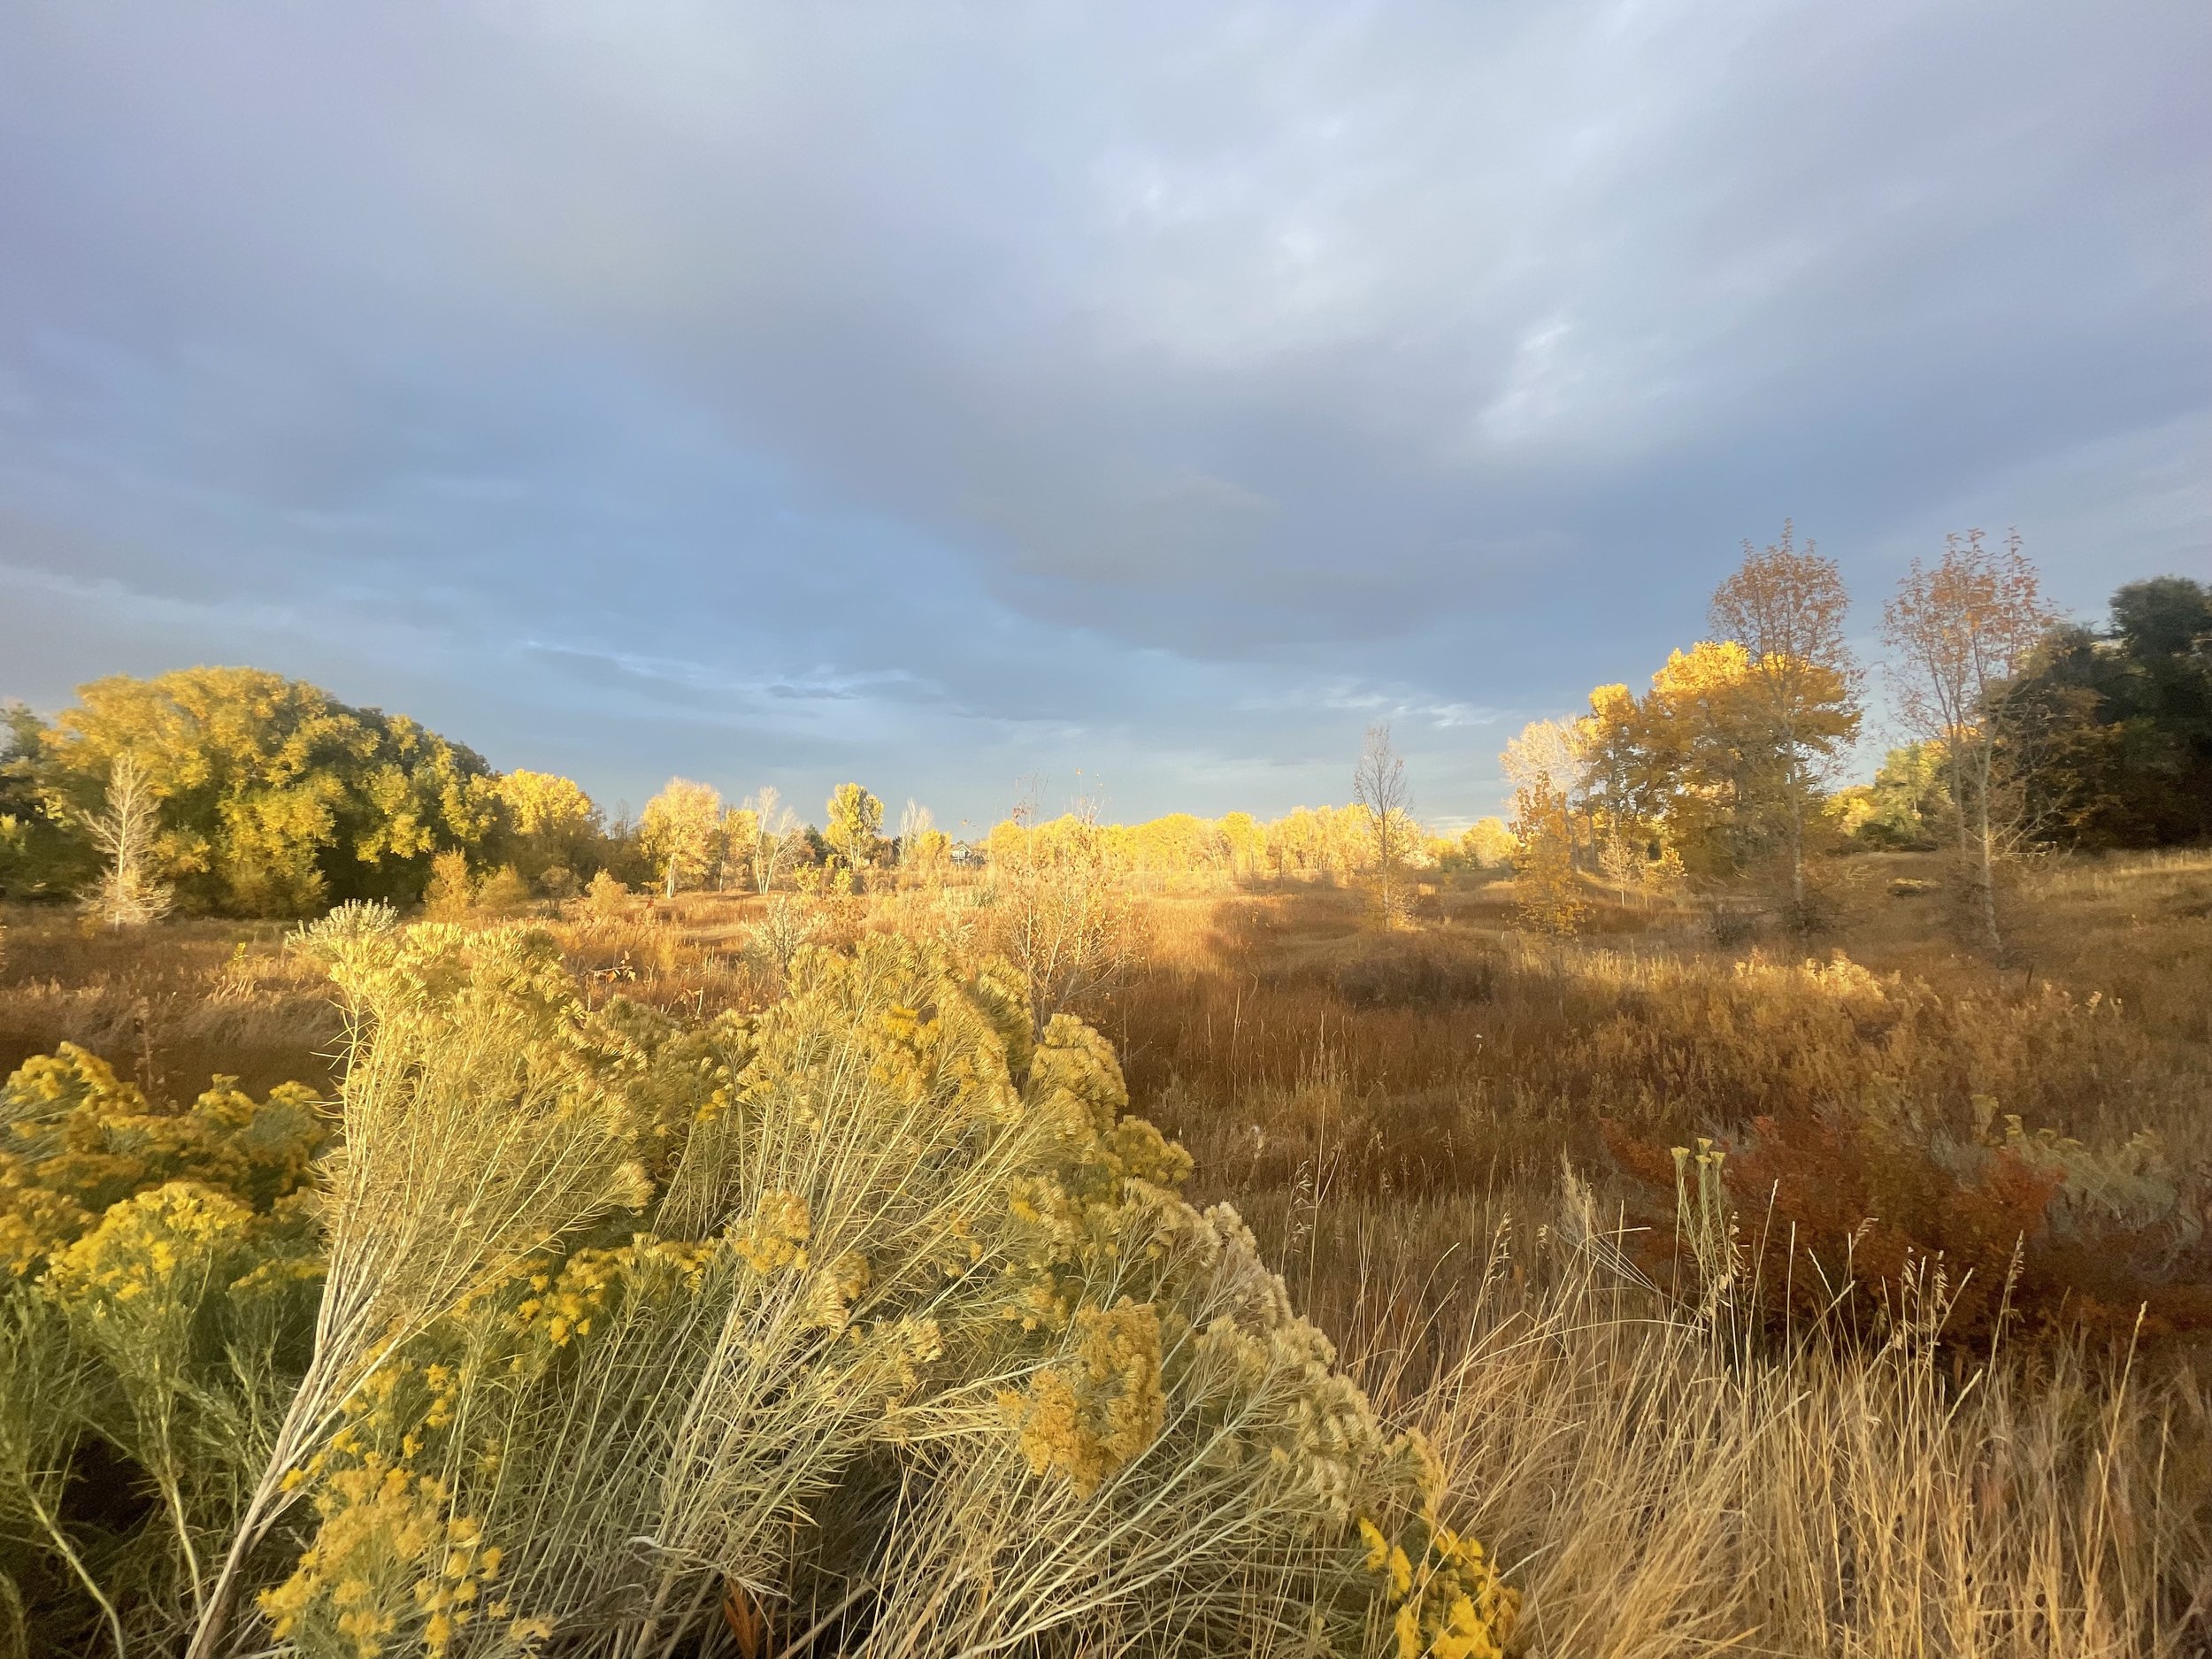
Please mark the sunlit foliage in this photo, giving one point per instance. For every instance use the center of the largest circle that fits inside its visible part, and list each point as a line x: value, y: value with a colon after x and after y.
x: 880, y: 1301
x: 274, y: 798
x: 854, y: 829
x: 681, y: 834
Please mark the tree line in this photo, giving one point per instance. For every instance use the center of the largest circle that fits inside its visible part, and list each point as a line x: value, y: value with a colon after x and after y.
x: 235, y: 791
x: 2021, y: 731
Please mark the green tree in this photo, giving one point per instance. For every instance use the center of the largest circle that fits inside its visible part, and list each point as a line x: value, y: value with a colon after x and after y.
x: 2121, y: 721
x: 39, y: 856
x: 1906, y: 808
x: 273, y: 798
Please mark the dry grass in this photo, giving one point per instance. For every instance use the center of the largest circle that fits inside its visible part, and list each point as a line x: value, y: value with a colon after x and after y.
x: 1390, y: 1112
x: 172, y: 1005
x: 1662, y: 1489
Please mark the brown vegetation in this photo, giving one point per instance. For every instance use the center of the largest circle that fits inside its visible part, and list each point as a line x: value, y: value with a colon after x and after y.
x: 1921, y: 1446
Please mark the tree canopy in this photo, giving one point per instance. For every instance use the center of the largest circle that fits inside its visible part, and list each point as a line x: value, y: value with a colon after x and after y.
x: 273, y: 798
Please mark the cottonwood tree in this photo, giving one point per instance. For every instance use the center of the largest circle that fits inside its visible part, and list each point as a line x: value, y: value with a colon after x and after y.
x: 855, y: 826
x: 741, y: 829
x: 1379, y: 786
x: 127, y: 893
x: 924, y: 848
x: 1690, y: 767
x: 915, y: 821
x: 680, y: 832
x: 277, y: 799
x: 1488, y: 844
x: 1544, y: 762
x: 554, y: 829
x: 1961, y: 630
x: 1787, y: 608
x: 773, y: 842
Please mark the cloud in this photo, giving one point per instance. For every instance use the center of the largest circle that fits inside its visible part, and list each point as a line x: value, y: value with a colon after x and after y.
x: 958, y: 390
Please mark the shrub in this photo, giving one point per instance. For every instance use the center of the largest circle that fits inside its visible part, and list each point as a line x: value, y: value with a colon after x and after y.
x: 75, y: 1139
x: 452, y: 890
x: 606, y: 894
x: 2005, y: 1225
x: 879, y: 1302
x: 504, y: 891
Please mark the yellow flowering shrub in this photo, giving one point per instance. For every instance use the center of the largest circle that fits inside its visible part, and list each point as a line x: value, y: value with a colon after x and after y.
x: 146, y: 1247
x: 880, y: 1288
x: 76, y: 1138
x: 1447, y: 1600
x: 392, y: 1571
x: 160, y: 1270
x: 1100, y: 1409
x: 775, y: 1237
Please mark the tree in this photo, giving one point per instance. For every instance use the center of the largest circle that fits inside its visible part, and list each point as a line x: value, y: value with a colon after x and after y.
x: 276, y: 798
x: 1244, y: 844
x: 1544, y: 762
x: 1962, y: 631
x: 1710, y: 779
x: 1548, y: 893
x: 915, y: 821
x: 39, y: 855
x: 1379, y: 786
x: 1787, y: 609
x: 1488, y: 844
x: 2121, y: 722
x: 1551, y: 750
x: 855, y: 818
x: 924, y: 850
x: 680, y: 831
x: 773, y: 842
x: 1907, y: 806
x: 551, y: 822
x: 127, y: 893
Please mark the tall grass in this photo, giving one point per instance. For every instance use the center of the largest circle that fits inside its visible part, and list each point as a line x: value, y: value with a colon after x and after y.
x: 809, y: 1299
x: 1665, y: 1475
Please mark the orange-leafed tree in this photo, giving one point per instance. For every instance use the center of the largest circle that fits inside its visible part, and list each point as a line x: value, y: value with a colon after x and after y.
x: 1786, y: 608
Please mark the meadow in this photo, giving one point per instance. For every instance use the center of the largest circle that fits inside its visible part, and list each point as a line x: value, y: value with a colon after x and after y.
x: 1745, y: 1296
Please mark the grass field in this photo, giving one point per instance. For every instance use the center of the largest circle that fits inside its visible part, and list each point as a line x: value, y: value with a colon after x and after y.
x: 1664, y: 1458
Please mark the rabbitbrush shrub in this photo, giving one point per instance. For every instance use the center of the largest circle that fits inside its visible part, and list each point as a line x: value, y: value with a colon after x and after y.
x: 873, y: 1323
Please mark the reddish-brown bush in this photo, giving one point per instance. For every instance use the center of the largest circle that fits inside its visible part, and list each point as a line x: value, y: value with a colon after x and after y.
x: 1842, y: 1210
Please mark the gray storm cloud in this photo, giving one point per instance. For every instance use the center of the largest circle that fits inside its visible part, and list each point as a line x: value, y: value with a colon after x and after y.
x: 945, y: 394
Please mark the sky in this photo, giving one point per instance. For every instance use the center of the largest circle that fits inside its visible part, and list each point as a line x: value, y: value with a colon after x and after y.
x: 1142, y: 398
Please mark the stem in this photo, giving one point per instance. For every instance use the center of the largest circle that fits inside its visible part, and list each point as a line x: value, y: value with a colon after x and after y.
x: 269, y: 1500
x: 77, y: 1566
